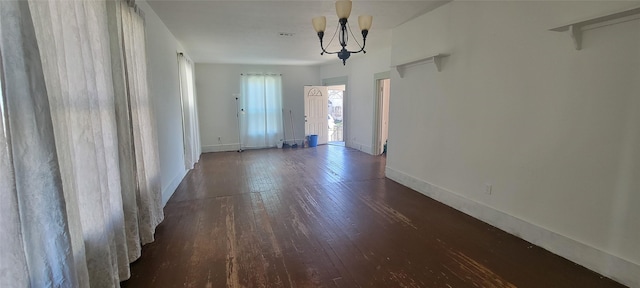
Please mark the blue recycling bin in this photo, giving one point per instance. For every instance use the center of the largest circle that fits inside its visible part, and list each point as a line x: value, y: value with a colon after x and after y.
x: 313, y: 140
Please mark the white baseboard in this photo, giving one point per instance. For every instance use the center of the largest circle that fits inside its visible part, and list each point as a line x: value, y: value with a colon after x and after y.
x: 614, y: 267
x: 359, y: 146
x: 169, y: 190
x: 220, y: 148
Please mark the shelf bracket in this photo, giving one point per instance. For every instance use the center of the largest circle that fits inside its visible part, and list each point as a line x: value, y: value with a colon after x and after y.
x: 576, y: 35
x: 436, y: 59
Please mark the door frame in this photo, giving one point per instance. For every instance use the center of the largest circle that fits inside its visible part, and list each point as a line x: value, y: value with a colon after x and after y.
x: 346, y: 113
x: 377, y: 112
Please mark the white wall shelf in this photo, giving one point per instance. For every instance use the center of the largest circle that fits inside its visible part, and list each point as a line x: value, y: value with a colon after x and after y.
x: 576, y: 28
x: 436, y: 59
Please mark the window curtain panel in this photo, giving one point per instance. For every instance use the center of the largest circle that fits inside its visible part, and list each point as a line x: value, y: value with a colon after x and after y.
x: 190, y: 127
x: 79, y: 182
x: 36, y: 245
x: 261, y: 115
x: 148, y: 195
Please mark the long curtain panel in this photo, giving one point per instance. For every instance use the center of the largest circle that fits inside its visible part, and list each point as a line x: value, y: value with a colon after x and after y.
x: 79, y: 166
x: 74, y: 44
x: 194, y: 104
x: 33, y: 251
x: 126, y: 156
x: 145, y: 139
x: 190, y: 127
x: 261, y: 115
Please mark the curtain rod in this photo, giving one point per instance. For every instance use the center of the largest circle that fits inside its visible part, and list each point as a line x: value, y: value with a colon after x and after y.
x: 181, y: 54
x: 132, y: 4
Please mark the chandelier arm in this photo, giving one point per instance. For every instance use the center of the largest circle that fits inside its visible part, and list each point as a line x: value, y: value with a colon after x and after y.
x: 320, y: 35
x: 324, y: 51
x: 333, y: 37
x: 364, y: 42
x: 355, y: 39
x: 364, y: 39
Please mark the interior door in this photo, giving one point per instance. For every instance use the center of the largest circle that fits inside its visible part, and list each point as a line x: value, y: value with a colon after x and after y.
x: 316, y: 99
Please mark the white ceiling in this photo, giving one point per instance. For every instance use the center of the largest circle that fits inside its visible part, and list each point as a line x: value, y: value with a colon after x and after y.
x: 247, y: 32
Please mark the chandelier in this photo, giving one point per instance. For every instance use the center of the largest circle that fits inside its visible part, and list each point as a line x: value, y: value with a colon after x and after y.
x: 343, y: 9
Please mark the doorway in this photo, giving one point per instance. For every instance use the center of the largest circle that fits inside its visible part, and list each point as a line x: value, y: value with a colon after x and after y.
x: 338, y: 110
x: 335, y: 115
x: 381, y: 127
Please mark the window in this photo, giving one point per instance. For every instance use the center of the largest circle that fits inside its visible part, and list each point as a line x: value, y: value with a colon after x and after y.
x: 261, y: 104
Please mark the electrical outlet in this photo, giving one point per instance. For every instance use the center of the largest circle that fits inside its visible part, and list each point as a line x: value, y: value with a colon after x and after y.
x: 487, y: 188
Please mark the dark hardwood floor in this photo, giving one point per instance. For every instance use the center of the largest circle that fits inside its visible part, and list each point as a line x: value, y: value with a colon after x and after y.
x: 327, y: 217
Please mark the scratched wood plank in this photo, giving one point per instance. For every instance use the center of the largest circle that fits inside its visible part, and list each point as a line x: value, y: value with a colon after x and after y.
x: 397, y: 267
x: 301, y: 251
x: 208, y: 262
x: 456, y: 258
x: 327, y: 217
x: 336, y: 246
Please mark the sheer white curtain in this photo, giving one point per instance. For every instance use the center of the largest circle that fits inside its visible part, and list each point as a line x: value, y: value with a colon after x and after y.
x: 261, y: 101
x: 191, y: 134
x: 74, y: 45
x: 78, y: 196
x: 145, y: 140
x: 35, y: 249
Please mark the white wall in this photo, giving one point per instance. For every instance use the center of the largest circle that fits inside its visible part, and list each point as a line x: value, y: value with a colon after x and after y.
x: 360, y: 96
x: 555, y: 131
x: 164, y: 88
x: 216, y: 84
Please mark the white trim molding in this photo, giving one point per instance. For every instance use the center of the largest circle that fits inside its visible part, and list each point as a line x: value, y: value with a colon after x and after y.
x: 592, y: 258
x: 168, y: 191
x: 220, y: 148
x: 361, y: 147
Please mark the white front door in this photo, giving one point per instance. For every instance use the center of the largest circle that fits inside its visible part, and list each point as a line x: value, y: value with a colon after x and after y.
x: 316, y: 99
